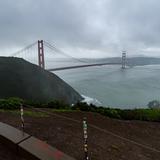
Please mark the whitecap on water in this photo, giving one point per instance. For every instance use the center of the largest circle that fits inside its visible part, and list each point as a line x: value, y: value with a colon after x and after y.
x: 90, y: 100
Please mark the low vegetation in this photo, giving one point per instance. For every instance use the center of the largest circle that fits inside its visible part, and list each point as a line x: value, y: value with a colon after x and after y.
x: 155, y: 104
x: 10, y: 103
x: 26, y: 113
x: 152, y: 113
x: 148, y: 114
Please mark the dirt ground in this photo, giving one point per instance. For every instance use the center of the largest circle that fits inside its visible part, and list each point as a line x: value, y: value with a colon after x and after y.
x: 108, y: 139
x: 6, y: 154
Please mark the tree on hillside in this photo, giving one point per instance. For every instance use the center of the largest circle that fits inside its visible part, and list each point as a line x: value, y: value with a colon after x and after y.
x: 155, y: 104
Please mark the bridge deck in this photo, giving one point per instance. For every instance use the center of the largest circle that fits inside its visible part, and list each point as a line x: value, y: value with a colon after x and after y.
x: 82, y: 66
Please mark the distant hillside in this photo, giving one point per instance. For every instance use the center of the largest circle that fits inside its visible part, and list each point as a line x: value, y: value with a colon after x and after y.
x: 20, y: 78
x: 139, y: 61
x: 135, y: 61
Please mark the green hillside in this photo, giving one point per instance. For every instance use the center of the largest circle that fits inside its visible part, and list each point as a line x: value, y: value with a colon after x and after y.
x: 19, y: 78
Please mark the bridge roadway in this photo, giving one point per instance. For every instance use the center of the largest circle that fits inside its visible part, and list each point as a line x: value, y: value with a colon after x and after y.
x: 82, y: 66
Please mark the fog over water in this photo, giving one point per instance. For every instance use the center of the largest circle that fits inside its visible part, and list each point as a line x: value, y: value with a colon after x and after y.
x: 114, y: 87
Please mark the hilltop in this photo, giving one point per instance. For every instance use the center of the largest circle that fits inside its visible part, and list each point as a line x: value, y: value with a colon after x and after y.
x: 20, y: 78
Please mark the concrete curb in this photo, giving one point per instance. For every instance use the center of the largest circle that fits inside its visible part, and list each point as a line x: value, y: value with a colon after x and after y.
x: 27, y: 146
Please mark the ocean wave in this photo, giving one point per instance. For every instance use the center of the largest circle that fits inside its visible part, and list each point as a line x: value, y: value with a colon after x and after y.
x: 90, y: 100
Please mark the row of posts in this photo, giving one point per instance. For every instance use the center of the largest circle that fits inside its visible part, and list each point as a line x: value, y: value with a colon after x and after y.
x: 85, y: 134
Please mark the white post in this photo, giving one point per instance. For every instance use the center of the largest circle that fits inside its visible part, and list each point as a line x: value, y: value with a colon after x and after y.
x: 22, y: 119
x: 85, y: 139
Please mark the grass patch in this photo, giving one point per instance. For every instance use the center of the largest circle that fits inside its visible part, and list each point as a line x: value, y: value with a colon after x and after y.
x: 3, y: 110
x: 147, y: 114
x: 13, y: 104
x: 63, y: 110
x: 26, y: 113
x: 35, y: 114
x: 141, y: 114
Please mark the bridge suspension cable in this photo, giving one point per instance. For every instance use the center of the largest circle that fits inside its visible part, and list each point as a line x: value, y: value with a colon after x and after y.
x: 26, y: 53
x: 24, y: 49
x: 55, y: 49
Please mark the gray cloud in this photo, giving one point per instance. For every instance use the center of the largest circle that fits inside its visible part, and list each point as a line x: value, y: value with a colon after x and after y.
x: 88, y: 28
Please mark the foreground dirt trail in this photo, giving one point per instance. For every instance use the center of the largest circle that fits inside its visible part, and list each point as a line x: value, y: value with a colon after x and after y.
x: 109, y: 139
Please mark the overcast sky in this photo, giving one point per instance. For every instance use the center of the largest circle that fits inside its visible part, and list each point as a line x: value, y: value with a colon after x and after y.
x: 91, y: 28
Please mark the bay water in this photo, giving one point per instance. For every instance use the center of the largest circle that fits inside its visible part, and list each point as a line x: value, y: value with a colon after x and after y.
x: 111, y: 86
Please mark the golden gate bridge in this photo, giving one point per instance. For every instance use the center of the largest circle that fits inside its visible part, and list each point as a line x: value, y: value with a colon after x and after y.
x: 46, y: 55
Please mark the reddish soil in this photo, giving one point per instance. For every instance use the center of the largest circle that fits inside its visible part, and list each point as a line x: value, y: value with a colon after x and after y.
x: 67, y: 135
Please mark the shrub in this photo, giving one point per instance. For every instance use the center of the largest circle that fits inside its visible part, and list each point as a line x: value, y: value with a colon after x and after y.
x: 109, y: 112
x: 10, y: 103
x: 55, y: 104
x: 35, y: 104
x: 83, y: 106
x: 154, y: 104
x: 151, y: 114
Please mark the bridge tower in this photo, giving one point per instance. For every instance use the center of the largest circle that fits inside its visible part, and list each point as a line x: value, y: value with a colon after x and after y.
x: 123, y: 59
x: 41, y: 54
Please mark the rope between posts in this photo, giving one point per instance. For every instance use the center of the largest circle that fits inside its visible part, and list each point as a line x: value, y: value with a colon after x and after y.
x: 102, y: 130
